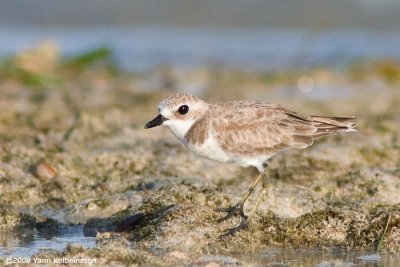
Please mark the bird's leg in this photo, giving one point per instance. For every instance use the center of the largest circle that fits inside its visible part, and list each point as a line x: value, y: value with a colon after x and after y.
x: 244, y: 223
x: 237, y: 210
x: 258, y: 202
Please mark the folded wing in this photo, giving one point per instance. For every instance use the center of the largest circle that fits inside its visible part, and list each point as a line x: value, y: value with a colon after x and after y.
x: 252, y: 128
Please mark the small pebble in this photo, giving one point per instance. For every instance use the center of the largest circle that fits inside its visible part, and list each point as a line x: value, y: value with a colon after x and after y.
x: 45, y: 170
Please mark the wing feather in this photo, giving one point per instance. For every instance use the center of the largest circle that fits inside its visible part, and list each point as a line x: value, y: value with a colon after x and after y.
x: 251, y: 128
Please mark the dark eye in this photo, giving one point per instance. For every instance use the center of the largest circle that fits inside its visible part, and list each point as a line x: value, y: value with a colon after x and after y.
x: 183, y: 109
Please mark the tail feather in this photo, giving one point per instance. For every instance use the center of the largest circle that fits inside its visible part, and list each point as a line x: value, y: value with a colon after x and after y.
x: 328, y: 125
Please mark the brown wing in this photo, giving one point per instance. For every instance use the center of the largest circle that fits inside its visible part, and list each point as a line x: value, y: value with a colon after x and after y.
x: 251, y: 128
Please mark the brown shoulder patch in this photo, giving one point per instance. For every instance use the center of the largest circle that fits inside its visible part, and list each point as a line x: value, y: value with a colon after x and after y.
x: 198, y: 133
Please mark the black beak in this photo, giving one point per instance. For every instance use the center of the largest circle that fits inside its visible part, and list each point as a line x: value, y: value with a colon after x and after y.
x: 155, y: 122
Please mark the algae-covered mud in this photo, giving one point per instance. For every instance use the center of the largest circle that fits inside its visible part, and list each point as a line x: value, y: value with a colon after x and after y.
x: 74, y: 154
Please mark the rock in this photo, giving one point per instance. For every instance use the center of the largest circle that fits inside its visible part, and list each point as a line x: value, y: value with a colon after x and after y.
x: 44, y: 170
x: 10, y: 220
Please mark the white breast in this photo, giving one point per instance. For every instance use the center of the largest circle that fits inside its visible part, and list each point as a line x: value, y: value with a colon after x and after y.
x: 210, y: 149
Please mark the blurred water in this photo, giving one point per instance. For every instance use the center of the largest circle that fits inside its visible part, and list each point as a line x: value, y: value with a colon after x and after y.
x: 26, y: 243
x: 143, y: 48
x: 320, y: 15
x: 320, y: 258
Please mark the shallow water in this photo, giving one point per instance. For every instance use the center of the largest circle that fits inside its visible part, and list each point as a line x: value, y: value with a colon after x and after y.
x: 308, y: 257
x: 26, y: 243
x: 143, y: 48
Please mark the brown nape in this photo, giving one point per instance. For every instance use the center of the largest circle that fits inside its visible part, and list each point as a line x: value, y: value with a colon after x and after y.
x: 328, y: 125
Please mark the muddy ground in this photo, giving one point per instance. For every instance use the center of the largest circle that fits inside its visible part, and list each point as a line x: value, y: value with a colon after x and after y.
x: 73, y: 150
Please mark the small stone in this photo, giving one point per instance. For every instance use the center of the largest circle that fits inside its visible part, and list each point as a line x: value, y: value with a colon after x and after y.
x: 45, y: 170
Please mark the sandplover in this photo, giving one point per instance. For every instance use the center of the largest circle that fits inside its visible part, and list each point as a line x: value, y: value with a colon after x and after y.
x: 247, y: 133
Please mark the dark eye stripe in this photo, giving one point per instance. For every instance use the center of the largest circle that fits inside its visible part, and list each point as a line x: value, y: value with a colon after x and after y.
x: 183, y: 109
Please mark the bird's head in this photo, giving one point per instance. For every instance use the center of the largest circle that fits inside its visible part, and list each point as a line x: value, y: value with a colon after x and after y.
x: 179, y: 112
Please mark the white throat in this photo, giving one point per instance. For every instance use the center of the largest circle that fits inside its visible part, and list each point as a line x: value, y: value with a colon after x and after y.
x: 179, y: 127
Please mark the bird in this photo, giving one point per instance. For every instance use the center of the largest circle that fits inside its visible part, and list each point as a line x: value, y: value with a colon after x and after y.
x: 246, y: 133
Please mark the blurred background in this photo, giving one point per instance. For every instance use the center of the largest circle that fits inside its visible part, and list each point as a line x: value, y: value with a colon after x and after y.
x: 254, y: 34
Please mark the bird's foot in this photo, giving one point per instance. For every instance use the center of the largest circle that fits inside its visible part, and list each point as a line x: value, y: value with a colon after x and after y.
x: 231, y: 231
x: 233, y: 211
